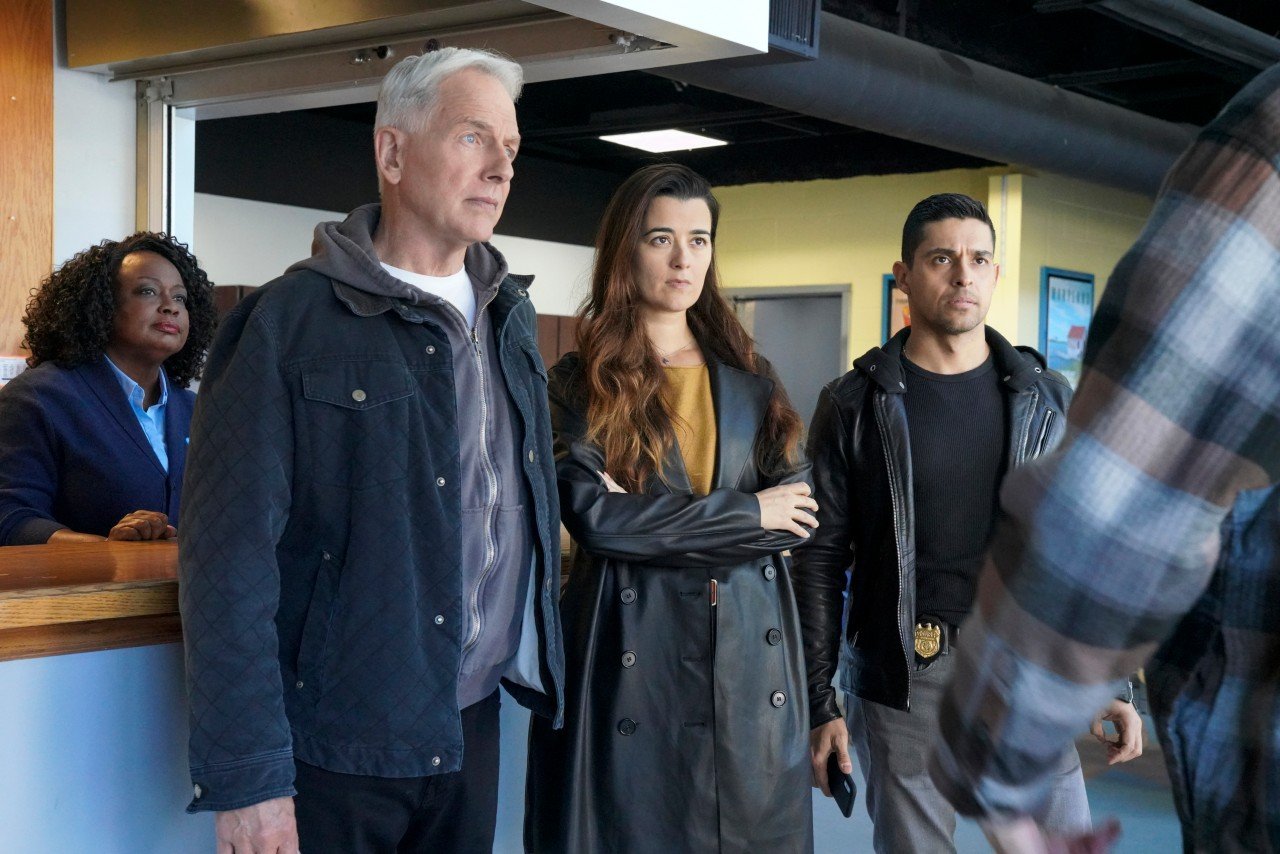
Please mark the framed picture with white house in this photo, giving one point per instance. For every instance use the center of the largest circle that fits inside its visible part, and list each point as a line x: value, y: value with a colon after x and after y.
x: 1066, y: 311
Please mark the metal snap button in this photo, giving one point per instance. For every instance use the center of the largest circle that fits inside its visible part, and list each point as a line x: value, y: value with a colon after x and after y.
x: 326, y: 556
x: 440, y: 481
x: 628, y: 596
x: 435, y: 760
x: 522, y: 292
x: 298, y: 684
x: 769, y: 572
x: 628, y: 659
x: 778, y: 699
x: 198, y: 791
x: 431, y: 349
x: 439, y: 619
x: 773, y: 637
x: 358, y: 395
x: 626, y: 726
x: 532, y: 456
x: 1037, y: 370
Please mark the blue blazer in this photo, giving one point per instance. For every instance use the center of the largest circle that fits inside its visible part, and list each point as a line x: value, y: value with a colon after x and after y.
x: 73, y: 455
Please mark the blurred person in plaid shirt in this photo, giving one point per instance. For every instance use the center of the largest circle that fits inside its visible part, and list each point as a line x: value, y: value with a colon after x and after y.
x: 1117, y: 541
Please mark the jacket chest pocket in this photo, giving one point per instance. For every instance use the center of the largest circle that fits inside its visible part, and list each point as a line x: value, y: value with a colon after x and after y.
x: 1045, y: 434
x: 357, y: 421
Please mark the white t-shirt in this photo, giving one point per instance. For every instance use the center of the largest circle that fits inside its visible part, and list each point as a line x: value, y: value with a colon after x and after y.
x: 456, y: 289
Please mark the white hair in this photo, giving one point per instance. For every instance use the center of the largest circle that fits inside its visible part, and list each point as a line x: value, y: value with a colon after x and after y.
x: 408, y: 93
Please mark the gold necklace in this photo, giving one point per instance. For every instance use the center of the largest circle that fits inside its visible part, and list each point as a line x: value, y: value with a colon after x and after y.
x: 665, y: 357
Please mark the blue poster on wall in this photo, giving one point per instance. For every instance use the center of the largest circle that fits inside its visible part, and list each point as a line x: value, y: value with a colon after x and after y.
x: 1066, y: 310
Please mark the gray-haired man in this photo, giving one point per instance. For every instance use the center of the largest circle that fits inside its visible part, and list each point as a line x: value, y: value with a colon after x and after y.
x: 372, y: 539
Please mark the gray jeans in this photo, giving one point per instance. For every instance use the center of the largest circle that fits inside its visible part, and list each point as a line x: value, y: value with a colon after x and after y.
x: 908, y: 813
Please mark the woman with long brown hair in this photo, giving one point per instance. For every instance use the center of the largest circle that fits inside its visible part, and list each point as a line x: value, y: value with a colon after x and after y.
x: 682, y: 482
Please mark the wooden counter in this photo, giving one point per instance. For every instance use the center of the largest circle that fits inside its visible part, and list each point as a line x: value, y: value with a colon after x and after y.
x: 80, y: 597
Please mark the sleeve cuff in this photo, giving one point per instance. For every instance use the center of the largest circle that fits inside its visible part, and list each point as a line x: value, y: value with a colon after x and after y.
x: 232, y: 785
x: 34, y: 531
x: 823, y: 709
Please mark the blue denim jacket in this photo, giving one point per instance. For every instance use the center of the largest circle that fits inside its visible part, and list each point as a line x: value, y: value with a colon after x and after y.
x: 321, y: 577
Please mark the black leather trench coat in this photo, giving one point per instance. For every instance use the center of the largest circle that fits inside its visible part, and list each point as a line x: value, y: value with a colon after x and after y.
x: 686, y: 721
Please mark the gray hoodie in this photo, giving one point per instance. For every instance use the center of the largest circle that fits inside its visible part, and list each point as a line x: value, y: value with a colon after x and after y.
x: 497, y: 528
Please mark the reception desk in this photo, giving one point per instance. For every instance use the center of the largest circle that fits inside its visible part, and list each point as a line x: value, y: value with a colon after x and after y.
x: 84, y: 597
x: 94, y: 711
x: 92, y: 704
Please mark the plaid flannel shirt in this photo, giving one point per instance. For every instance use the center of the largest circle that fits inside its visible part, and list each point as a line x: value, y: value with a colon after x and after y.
x: 1104, y: 545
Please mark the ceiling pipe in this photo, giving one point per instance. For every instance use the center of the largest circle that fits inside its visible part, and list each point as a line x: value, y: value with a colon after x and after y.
x: 871, y: 79
x: 1191, y: 26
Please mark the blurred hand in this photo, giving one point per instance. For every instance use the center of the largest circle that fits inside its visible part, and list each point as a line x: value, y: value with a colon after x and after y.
x: 1024, y: 836
x: 143, y: 525
x: 610, y: 484
x: 831, y: 737
x: 782, y: 508
x: 1128, y: 724
x: 263, y: 828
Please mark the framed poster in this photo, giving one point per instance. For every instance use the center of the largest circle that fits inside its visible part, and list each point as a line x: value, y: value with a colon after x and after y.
x: 897, y: 313
x: 1066, y: 310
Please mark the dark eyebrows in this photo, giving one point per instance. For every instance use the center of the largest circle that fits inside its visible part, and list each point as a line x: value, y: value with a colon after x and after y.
x: 666, y: 229
x: 945, y: 250
x: 154, y: 280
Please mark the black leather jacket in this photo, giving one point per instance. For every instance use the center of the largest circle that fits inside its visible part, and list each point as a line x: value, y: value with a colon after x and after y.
x: 861, y: 458
x: 684, y: 705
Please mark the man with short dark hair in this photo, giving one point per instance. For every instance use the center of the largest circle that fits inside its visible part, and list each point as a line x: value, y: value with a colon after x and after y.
x: 371, y: 524
x: 909, y: 450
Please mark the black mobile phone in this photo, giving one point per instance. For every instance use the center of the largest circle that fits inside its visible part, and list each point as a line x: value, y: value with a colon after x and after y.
x: 841, y: 784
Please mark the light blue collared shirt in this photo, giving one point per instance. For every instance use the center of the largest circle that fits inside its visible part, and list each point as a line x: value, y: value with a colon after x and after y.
x: 151, y: 420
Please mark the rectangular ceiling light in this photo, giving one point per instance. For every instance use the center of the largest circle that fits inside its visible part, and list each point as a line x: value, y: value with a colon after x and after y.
x: 657, y: 141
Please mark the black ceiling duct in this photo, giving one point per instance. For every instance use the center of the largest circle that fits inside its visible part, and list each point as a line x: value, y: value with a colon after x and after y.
x: 870, y: 79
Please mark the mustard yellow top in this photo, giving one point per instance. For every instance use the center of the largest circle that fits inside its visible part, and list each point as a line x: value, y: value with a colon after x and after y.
x: 688, y: 392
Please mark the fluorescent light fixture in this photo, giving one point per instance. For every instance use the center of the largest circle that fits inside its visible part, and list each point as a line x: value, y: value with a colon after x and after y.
x: 657, y: 141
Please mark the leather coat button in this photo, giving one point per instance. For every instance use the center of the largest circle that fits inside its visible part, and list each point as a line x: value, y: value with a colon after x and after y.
x: 769, y: 572
x: 626, y: 726
x: 778, y: 699
x: 773, y: 636
x: 628, y: 659
x: 628, y: 595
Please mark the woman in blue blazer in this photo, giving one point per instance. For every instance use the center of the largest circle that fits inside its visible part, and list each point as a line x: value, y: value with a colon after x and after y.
x: 93, y: 436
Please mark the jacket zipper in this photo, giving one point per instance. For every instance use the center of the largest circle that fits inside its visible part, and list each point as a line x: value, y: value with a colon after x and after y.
x: 490, y: 474
x: 895, y: 501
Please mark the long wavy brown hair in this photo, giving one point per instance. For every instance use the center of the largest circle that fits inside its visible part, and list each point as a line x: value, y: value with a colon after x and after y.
x: 626, y: 413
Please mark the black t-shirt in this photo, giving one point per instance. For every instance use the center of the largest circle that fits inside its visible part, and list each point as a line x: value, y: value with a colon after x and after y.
x: 957, y: 428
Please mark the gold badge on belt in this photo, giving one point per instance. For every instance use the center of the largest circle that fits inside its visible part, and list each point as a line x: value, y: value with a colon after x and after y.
x: 928, y: 639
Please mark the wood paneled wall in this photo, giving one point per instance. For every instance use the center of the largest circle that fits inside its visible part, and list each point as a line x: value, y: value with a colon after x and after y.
x: 26, y: 158
x: 557, y: 335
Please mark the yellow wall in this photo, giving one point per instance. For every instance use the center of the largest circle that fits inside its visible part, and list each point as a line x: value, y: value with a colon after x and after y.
x: 849, y: 231
x: 1074, y: 226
